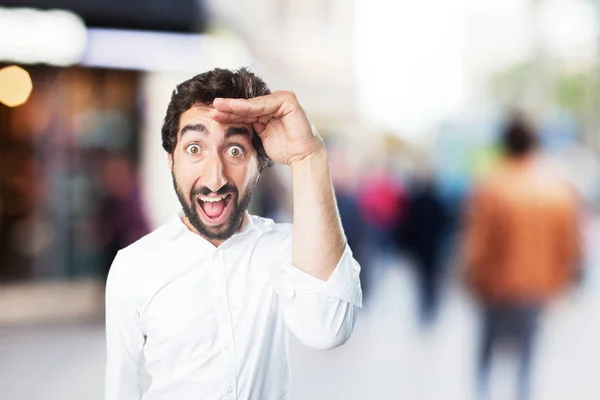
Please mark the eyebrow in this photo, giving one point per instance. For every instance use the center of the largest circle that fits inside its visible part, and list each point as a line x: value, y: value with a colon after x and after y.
x: 196, y: 128
x: 237, y: 130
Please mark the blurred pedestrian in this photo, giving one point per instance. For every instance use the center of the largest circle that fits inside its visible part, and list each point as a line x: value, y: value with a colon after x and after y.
x: 522, y: 248
x: 381, y: 198
x: 421, y: 234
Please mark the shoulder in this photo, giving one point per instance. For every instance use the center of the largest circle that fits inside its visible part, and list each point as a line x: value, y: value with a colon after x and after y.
x: 150, y: 242
x: 131, y: 258
x: 485, y: 185
x: 267, y: 225
x: 273, y: 233
x: 273, y: 240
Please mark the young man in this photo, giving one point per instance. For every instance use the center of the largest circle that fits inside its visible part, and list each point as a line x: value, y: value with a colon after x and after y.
x: 208, y: 298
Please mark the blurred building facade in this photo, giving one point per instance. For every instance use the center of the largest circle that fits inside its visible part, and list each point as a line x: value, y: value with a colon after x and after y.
x: 57, y: 151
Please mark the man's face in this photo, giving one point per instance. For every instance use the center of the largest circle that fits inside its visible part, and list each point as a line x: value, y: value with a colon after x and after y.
x: 215, y: 169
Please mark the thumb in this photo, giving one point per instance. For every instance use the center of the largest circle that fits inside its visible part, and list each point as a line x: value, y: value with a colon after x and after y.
x: 259, y: 127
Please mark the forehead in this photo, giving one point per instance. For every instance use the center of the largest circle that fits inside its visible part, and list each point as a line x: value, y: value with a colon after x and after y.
x: 195, y: 113
x: 199, y: 114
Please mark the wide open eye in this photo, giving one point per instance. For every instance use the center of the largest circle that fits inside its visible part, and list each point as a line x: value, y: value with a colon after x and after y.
x: 193, y: 149
x: 235, y: 151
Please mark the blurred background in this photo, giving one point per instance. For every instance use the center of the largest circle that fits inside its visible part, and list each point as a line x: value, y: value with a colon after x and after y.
x: 411, y: 98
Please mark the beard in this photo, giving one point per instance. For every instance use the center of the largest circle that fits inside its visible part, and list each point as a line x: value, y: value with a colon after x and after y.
x: 233, y: 223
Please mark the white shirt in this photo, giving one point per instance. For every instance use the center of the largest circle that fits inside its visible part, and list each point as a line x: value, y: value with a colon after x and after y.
x: 212, y: 322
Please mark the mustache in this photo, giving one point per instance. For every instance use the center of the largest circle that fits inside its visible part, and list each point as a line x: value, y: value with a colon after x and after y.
x: 205, y: 191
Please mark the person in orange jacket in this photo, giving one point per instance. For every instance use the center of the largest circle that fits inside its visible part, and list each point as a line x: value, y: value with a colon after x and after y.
x: 521, y: 247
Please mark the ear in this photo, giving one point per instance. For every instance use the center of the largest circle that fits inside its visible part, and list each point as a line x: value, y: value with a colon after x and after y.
x: 170, y: 159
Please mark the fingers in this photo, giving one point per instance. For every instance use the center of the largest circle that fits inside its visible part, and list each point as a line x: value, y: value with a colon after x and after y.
x: 228, y: 117
x: 260, y: 109
x: 224, y: 117
x: 259, y: 127
x: 255, y: 106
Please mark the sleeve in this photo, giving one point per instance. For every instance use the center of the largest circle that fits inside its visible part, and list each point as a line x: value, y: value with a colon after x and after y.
x: 124, y: 338
x: 321, y: 314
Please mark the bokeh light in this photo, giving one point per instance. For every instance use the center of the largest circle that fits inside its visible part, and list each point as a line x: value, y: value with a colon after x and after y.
x: 15, y: 86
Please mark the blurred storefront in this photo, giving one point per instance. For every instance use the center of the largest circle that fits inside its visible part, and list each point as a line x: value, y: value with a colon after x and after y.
x: 69, y: 165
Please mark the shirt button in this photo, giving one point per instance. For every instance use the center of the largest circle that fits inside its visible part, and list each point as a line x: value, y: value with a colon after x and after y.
x: 229, y: 390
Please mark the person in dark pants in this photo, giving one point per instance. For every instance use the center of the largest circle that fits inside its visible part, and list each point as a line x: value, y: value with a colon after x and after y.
x: 521, y: 248
x: 516, y: 325
x: 421, y: 235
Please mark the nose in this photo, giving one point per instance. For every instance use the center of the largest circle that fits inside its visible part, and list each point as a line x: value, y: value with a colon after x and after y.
x: 214, y: 173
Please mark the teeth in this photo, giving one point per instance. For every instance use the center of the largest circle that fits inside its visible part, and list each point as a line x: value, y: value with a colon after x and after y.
x: 211, y: 199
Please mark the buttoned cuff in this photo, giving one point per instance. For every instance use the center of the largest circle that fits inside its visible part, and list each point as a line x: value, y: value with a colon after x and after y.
x: 343, y: 284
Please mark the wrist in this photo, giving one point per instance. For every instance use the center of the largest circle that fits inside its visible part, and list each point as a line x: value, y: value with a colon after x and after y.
x: 315, y: 159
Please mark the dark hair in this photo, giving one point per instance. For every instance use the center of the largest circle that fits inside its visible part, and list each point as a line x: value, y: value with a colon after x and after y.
x: 203, y: 89
x: 519, y: 137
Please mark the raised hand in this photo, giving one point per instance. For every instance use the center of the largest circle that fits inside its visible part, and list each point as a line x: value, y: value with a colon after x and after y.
x: 286, y: 133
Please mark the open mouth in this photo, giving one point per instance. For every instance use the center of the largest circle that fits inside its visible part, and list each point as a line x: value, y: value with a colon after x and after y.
x: 215, y: 209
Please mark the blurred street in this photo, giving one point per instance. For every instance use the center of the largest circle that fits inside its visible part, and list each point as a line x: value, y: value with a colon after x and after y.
x: 386, y: 358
